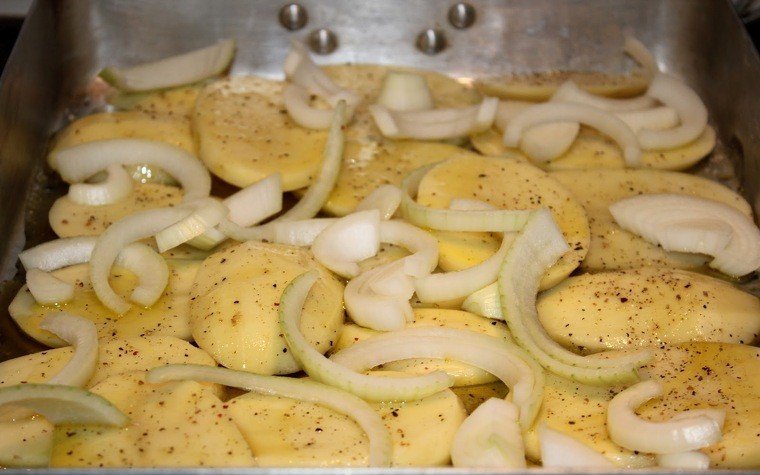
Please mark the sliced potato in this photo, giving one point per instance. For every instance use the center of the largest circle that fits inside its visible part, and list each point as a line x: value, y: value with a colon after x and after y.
x: 464, y: 375
x: 612, y: 247
x: 173, y: 103
x: 647, y: 307
x: 171, y: 425
x: 169, y: 316
x: 235, y: 299
x: 25, y: 443
x: 541, y: 86
x: 592, y: 149
x: 507, y: 184
x: 68, y: 218
x: 284, y: 432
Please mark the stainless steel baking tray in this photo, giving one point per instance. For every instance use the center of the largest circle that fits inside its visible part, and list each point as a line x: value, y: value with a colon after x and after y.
x: 64, y: 43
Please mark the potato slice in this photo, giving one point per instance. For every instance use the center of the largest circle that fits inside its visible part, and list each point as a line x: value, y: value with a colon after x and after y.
x: 25, y: 443
x: 284, y: 432
x: 235, y: 298
x: 169, y: 316
x: 612, y: 247
x: 592, y: 149
x: 464, y: 375
x: 647, y: 307
x: 171, y: 425
x: 72, y: 219
x: 508, y: 184
x: 176, y: 103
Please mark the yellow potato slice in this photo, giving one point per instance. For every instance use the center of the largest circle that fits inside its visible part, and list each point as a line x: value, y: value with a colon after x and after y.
x: 507, y: 184
x: 25, y: 443
x: 540, y: 86
x: 235, y: 299
x: 647, y: 307
x: 72, y: 219
x: 174, y: 424
x: 613, y: 248
x: 176, y: 103
x: 169, y: 316
x: 464, y: 375
x: 284, y: 432
x: 592, y: 149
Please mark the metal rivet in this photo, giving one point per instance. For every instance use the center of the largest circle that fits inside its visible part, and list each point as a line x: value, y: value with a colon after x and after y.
x: 323, y: 41
x: 461, y: 15
x: 293, y: 16
x: 431, y: 41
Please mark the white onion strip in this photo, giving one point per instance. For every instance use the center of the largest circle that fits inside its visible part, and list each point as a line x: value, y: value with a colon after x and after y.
x: 206, y: 213
x: 379, y: 298
x: 385, y: 198
x: 151, y: 270
x: 605, y: 122
x: 692, y: 460
x: 380, y: 445
x: 485, y: 302
x: 490, y: 437
x: 82, y: 335
x: 79, y: 162
x: 658, y: 118
x: 372, y: 388
x: 296, y: 100
x: 691, y: 111
x: 48, y: 289
x: 117, y: 186
x: 58, y: 253
x: 560, y: 450
x: 348, y: 241
x: 507, y: 362
x: 693, y: 430
x: 641, y: 54
x: 255, y: 202
x: 570, y: 92
x: 405, y: 91
x: 422, y: 245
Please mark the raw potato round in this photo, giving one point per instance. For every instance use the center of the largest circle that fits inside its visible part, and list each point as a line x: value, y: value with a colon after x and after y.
x: 541, y: 86
x: 285, y: 432
x: 464, y: 375
x: 176, y: 424
x: 72, y: 219
x: 507, y: 184
x: 176, y: 103
x: 612, y: 248
x: 169, y: 316
x: 592, y: 149
x: 235, y: 300
x: 647, y: 307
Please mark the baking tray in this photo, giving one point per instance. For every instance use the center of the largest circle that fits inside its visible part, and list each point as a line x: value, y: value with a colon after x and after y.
x: 64, y: 43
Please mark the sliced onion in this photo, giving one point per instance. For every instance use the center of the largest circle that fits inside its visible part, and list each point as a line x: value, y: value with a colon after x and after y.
x: 117, y: 186
x: 570, y: 92
x: 508, y: 110
x: 657, y: 118
x: 405, y: 91
x: 206, y: 213
x: 536, y: 249
x: 485, y: 302
x: 63, y: 404
x: 255, y: 202
x: 605, y: 122
x: 58, y: 253
x: 211, y: 238
x: 151, y: 270
x: 641, y: 54
x: 690, y: 224
x: 422, y: 245
x: 79, y: 162
x: 372, y: 388
x: 48, y: 289
x: 81, y: 334
x: 691, y: 111
x: 115, y: 238
x: 348, y: 241
x: 467, y: 204
x: 693, y: 460
x: 490, y: 437
x: 510, y: 364
x: 297, y: 103
x: 380, y: 446
x: 174, y: 71
x: 697, y: 429
x: 436, y: 124
x: 385, y: 198
x: 379, y: 298
x: 560, y: 450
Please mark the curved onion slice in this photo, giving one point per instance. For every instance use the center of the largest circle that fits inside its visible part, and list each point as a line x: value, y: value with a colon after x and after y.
x: 77, y: 163
x: 657, y: 118
x: 82, y: 335
x: 485, y: 302
x: 63, y: 404
x: 210, y: 238
x: 509, y: 363
x: 560, y: 450
x: 467, y: 204
x: 58, y: 253
x: 641, y: 54
x: 691, y: 111
x: 570, y: 92
x: 372, y: 388
x: 435, y: 124
x: 536, y: 248
x: 385, y: 198
x: 490, y: 437
x: 605, y: 122
x: 115, y: 238
x: 255, y: 202
x: 48, y: 289
x: 405, y: 91
x: 455, y: 220
x: 695, y: 430
x: 379, y: 298
x: 206, y: 213
x: 296, y: 100
x: 545, y: 142
x: 347, y: 241
x: 117, y: 186
x: 693, y: 460
x: 380, y: 446
x: 174, y: 71
x: 690, y: 224
x: 422, y: 245
x: 302, y: 71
